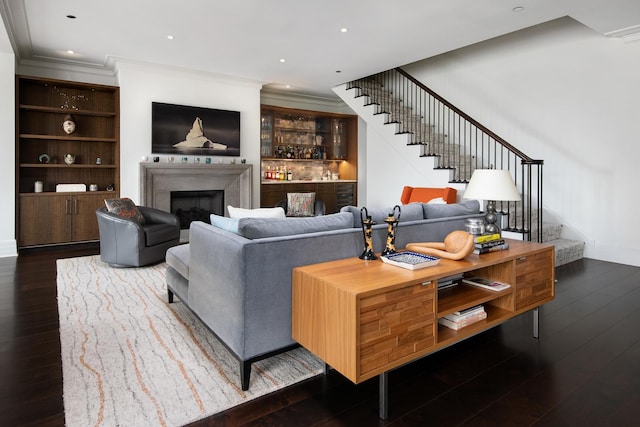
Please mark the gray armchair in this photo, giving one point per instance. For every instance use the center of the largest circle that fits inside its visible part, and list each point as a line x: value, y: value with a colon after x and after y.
x: 126, y: 243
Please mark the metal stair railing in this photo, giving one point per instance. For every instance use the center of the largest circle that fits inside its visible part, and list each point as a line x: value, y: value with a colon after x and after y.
x: 457, y: 141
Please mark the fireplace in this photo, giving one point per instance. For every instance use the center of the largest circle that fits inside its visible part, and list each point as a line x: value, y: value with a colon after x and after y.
x: 159, y: 180
x: 196, y: 205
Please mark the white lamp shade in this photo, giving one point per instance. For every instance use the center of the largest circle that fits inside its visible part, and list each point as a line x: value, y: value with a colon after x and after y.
x: 491, y: 184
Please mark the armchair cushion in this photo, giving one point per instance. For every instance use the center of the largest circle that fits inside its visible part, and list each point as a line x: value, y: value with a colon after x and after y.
x: 125, y: 208
x: 158, y: 233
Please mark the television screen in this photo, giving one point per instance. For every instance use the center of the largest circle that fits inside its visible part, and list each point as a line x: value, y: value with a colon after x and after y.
x: 183, y: 130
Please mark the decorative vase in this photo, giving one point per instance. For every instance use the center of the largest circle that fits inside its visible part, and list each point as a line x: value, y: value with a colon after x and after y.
x: 392, y: 225
x: 69, y: 158
x: 367, y: 224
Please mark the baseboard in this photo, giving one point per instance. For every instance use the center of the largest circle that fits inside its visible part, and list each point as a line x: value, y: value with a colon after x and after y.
x: 8, y: 248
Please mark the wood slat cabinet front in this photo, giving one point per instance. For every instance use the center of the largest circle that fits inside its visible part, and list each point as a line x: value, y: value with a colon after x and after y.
x: 365, y: 318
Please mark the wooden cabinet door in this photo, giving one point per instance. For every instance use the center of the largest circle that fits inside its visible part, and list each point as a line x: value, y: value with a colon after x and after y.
x: 534, y: 279
x: 85, y: 223
x: 44, y: 220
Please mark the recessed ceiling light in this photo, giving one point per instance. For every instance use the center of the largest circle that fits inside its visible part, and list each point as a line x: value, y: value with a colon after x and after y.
x: 288, y: 86
x: 338, y: 71
x: 518, y: 9
x: 170, y: 37
x: 344, y: 30
x: 71, y: 16
x: 282, y: 60
x: 70, y: 52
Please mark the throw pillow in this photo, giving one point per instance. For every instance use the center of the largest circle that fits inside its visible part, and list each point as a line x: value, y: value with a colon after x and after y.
x: 227, y: 224
x: 237, y: 213
x: 125, y: 208
x: 300, y: 204
x: 436, y: 201
x: 466, y: 207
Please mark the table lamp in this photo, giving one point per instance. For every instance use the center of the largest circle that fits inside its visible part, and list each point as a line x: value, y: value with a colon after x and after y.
x: 491, y: 185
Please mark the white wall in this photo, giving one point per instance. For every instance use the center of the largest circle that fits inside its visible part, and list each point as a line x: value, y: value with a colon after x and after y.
x: 7, y: 146
x: 565, y: 94
x: 142, y: 84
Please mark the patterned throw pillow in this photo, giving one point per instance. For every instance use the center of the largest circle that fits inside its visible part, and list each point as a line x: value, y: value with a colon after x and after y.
x: 300, y: 204
x: 124, y: 208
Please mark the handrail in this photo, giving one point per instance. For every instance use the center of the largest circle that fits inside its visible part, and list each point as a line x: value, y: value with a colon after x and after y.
x: 457, y: 141
x: 470, y: 119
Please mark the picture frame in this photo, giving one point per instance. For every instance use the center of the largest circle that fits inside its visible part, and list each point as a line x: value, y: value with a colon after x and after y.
x: 187, y: 130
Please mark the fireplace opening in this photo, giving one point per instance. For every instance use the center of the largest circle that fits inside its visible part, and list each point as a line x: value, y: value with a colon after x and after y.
x: 191, y: 206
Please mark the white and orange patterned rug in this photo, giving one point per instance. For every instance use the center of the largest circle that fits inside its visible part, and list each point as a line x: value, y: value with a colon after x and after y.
x: 130, y: 358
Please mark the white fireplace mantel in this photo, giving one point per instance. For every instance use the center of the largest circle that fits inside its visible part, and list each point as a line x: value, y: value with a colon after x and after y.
x: 158, y: 180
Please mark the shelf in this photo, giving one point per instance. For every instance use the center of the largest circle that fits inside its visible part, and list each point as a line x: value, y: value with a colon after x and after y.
x: 67, y: 193
x: 65, y: 166
x: 462, y: 296
x: 299, y: 130
x: 279, y: 159
x: 495, y: 316
x: 59, y: 110
x: 65, y: 138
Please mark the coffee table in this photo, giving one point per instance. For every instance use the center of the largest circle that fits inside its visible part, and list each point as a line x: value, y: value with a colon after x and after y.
x: 366, y: 318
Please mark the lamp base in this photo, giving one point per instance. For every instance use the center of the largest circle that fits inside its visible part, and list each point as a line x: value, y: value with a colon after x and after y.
x: 491, y: 218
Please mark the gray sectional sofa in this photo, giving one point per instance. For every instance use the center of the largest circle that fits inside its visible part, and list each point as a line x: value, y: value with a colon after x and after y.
x: 236, y: 277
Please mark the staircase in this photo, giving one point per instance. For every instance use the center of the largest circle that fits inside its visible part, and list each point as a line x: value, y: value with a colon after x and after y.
x: 460, y: 144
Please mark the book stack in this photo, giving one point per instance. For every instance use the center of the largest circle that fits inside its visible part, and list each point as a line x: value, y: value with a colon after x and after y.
x: 486, y: 243
x: 460, y: 319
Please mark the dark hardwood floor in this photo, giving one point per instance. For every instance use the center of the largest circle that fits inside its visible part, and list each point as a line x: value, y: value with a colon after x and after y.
x: 584, y: 371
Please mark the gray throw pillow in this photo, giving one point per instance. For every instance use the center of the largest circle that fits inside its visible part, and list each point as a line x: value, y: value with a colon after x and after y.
x: 467, y: 207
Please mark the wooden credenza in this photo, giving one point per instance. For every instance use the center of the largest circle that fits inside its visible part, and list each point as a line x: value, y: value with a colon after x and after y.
x: 365, y: 318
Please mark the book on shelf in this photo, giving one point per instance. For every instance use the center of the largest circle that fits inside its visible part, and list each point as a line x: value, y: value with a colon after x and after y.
x: 486, y: 238
x: 460, y: 316
x: 484, y: 283
x: 449, y: 281
x: 410, y: 260
x: 490, y: 244
x: 469, y: 320
x: 480, y: 251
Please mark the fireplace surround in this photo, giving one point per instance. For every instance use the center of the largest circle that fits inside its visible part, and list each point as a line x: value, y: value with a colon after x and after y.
x: 158, y: 180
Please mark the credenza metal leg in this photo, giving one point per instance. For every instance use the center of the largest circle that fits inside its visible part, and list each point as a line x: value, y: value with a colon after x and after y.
x: 383, y: 395
x: 536, y: 322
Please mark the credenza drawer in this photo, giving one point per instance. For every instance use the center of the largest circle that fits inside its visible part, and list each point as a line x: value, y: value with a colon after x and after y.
x: 534, y: 278
x: 396, y: 324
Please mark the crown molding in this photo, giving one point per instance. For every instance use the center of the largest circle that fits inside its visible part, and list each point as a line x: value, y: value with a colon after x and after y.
x: 627, y: 35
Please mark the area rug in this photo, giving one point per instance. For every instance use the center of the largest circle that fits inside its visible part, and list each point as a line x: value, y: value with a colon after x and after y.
x: 130, y: 358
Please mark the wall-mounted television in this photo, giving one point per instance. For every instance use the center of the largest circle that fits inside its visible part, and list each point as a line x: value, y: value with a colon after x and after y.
x: 184, y: 130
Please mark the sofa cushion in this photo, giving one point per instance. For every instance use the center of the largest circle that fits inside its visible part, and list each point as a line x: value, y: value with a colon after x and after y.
x: 237, y: 213
x: 466, y: 207
x: 125, y: 208
x: 228, y: 224
x: 257, y: 228
x: 178, y: 258
x: 410, y: 212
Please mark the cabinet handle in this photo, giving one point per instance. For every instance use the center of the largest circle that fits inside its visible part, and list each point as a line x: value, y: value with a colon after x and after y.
x: 522, y: 258
x: 75, y: 206
x: 66, y: 207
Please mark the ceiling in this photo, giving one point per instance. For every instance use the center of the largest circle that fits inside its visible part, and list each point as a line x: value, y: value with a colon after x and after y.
x: 247, y: 39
